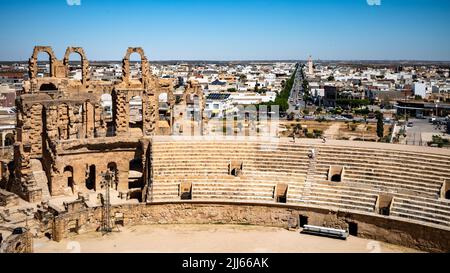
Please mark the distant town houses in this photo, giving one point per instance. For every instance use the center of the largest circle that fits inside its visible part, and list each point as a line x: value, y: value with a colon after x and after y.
x: 227, y: 85
x: 377, y: 81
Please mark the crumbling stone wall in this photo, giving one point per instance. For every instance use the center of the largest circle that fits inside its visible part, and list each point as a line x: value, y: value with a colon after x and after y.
x: 20, y: 243
x: 409, y: 234
x: 70, y: 111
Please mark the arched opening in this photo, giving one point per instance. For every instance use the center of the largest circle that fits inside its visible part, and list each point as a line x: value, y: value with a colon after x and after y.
x: 135, y: 180
x: 336, y: 173
x: 136, y: 194
x: 353, y: 229
x: 72, y: 226
x: 135, y: 66
x: 235, y: 168
x: 91, y: 176
x: 18, y: 245
x: 303, y: 221
x: 75, y: 66
x: 185, y: 190
x: 447, y: 195
x: 112, y: 167
x: 68, y: 174
x: 48, y: 87
x: 384, y: 203
x: 107, y: 113
x: 165, y: 108
x: 9, y: 139
x: 336, y: 178
x: 43, y: 65
x: 135, y: 112
x: 281, y: 190
x: 48, y: 235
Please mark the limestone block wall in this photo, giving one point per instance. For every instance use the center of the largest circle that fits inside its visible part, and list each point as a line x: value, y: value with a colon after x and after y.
x: 409, y: 234
x: 121, y: 112
x: 81, y: 162
x: 32, y: 129
x: 76, y: 122
x: 150, y: 114
x: 22, y: 243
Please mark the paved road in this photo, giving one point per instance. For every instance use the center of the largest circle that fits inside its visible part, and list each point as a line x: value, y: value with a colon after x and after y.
x: 297, y: 93
x: 422, y: 132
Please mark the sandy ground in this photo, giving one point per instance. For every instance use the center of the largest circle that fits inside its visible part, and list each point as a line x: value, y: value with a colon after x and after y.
x: 210, y: 239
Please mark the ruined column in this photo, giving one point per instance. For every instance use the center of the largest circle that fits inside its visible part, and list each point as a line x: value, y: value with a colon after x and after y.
x: 121, y: 112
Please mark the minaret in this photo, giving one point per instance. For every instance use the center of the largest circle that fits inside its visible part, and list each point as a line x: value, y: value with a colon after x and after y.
x: 310, y: 66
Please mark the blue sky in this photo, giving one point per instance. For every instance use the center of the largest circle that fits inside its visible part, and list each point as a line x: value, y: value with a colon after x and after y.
x: 230, y: 29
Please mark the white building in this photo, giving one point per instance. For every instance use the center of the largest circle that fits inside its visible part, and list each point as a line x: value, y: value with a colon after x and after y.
x: 218, y: 105
x: 420, y: 89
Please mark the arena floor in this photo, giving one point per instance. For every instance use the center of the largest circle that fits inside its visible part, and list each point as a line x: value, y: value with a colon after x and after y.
x: 211, y: 239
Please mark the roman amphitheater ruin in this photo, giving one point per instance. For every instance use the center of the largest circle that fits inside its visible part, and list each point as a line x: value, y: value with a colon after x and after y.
x: 65, y: 142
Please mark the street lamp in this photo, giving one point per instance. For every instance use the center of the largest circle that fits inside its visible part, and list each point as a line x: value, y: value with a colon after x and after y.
x: 437, y: 105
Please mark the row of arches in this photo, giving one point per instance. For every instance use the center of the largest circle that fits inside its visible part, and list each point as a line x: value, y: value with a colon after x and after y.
x: 90, y: 183
x: 44, y: 64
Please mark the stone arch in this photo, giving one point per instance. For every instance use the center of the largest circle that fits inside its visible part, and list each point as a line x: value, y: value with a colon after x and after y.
x: 34, y: 59
x: 193, y: 96
x: 136, y: 112
x: 126, y: 73
x: 84, y: 62
x: 68, y: 175
x: 166, y: 103
x: 91, y: 176
x: 9, y: 139
x: 107, y: 108
x: 112, y: 166
x: 48, y: 87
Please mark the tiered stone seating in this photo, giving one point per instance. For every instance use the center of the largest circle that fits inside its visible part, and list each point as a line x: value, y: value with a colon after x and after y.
x: 413, y: 178
x: 422, y: 209
x: 205, y: 165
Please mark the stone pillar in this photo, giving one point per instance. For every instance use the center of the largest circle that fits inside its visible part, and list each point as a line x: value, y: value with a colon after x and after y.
x: 100, y: 126
x: 52, y: 121
x: 89, y: 121
x: 63, y: 122
x: 121, y: 113
x: 123, y: 170
x: 32, y: 128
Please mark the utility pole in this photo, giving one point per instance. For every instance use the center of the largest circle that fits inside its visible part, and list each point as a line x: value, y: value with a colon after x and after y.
x: 108, y: 178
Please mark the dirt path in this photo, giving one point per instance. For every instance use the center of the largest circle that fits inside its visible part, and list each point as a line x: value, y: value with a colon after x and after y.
x: 332, y: 131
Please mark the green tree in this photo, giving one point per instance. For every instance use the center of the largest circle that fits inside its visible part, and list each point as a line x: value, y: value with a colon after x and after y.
x: 380, y: 124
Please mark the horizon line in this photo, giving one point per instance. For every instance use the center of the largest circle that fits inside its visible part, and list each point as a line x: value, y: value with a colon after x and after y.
x: 255, y: 60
